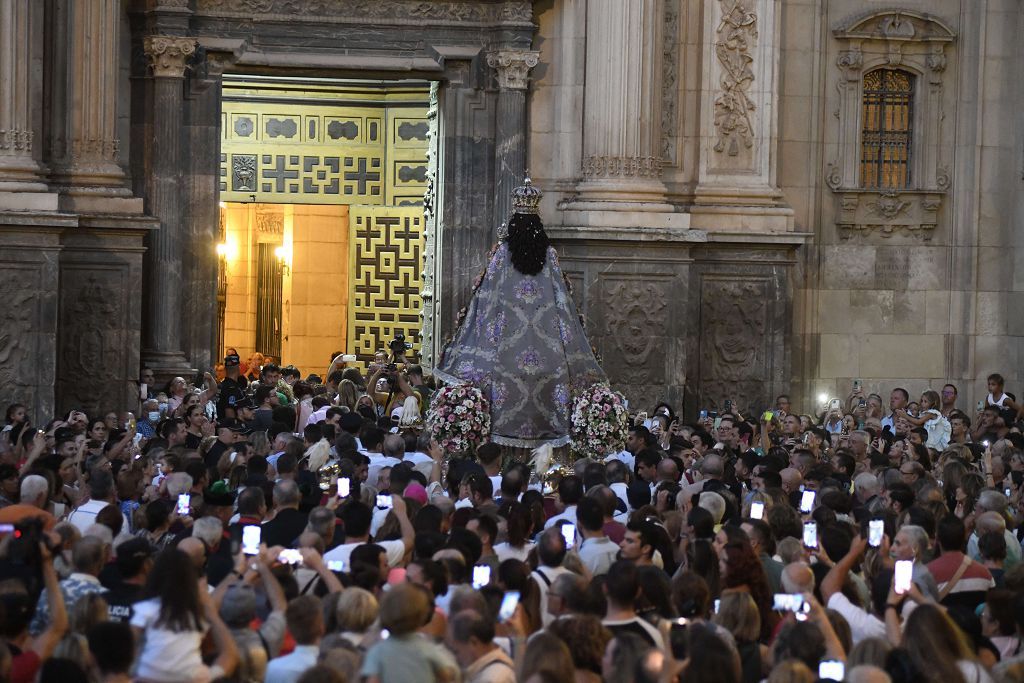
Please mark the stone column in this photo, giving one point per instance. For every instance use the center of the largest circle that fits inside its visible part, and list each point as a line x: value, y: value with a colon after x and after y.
x: 162, y: 340
x: 86, y: 149
x: 513, y: 67
x: 622, y: 102
x: 21, y: 187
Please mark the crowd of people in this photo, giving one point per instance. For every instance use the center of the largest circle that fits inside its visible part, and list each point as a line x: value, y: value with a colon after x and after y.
x: 277, y: 528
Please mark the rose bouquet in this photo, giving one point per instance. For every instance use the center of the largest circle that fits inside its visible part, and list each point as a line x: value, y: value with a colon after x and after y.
x: 459, y: 418
x: 599, y: 423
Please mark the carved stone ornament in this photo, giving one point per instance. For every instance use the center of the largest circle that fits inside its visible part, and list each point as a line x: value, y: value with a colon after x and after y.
x: 635, y: 327
x: 464, y: 11
x: 15, y: 140
x: 94, y: 148
x: 513, y: 67
x: 168, y: 54
x: 17, y: 325
x: 913, y: 213
x: 670, y: 84
x: 736, y: 34
x: 734, y: 322
x: 622, y: 167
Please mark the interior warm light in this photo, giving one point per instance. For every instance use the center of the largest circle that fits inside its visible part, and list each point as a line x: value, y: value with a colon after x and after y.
x: 283, y: 254
x: 223, y: 205
x: 227, y: 250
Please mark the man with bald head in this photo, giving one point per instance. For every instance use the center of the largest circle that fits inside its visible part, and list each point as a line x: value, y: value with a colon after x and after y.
x: 988, y: 522
x: 195, y: 550
x: 791, y: 480
x: 797, y: 577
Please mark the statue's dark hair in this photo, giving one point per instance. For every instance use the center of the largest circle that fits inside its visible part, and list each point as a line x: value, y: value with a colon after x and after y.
x: 527, y: 243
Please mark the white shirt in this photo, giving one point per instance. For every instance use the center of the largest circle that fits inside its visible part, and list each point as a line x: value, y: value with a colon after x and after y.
x: 421, y: 462
x: 993, y: 401
x: 166, y: 655
x: 84, y: 516
x: 395, y: 551
x: 287, y: 669
x: 862, y: 624
x: 597, y: 554
x: 377, y: 463
x: 620, y: 488
x: 506, y: 552
x: 569, y: 515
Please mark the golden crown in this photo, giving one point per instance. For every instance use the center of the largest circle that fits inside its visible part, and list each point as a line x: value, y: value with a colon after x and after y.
x: 526, y: 198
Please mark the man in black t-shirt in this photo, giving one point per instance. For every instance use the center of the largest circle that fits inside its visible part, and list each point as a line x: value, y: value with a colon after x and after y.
x: 134, y: 561
x: 232, y: 389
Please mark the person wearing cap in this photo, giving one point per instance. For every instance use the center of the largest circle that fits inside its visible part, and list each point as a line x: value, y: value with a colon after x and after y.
x: 232, y: 389
x: 229, y: 432
x: 134, y: 561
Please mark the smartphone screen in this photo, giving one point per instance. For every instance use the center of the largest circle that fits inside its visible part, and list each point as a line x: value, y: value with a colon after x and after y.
x: 251, y: 539
x: 481, y: 576
x: 788, y: 602
x: 290, y: 556
x: 336, y: 565
x: 508, y: 606
x: 344, y: 487
x: 184, y: 503
x: 904, y: 574
x: 718, y: 605
x: 703, y: 414
x: 832, y: 670
x: 756, y: 510
x: 811, y: 534
x: 876, y: 528
x: 768, y: 415
x: 807, y: 501
x: 569, y: 534
x: 384, y: 501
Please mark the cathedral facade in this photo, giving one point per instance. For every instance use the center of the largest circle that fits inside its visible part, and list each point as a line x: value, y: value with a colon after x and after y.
x: 750, y: 197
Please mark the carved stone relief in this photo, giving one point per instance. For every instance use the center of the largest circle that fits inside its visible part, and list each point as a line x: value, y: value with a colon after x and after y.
x: 635, y: 329
x: 735, y: 38
x: 15, y: 139
x: 622, y: 167
x: 670, y: 83
x: 92, y: 321
x: 16, y: 330
x: 168, y: 54
x: 734, y: 321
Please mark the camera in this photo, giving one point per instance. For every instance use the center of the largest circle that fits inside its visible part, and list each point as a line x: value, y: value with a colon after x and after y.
x: 398, y: 345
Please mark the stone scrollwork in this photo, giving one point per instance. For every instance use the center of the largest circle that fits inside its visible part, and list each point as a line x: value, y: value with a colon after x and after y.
x: 513, y: 67
x: 670, y: 84
x: 168, y: 54
x: 15, y: 139
x: 736, y: 34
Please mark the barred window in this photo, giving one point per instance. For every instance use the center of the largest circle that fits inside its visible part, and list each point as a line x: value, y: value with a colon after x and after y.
x: 887, y: 113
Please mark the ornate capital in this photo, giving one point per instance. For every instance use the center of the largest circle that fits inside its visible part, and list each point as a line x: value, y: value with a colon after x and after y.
x: 168, y: 54
x: 513, y: 67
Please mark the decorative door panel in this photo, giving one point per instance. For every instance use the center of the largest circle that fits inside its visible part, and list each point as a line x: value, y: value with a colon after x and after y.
x: 384, y: 277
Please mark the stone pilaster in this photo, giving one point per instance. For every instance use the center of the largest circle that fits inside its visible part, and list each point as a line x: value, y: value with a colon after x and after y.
x: 737, y: 189
x: 513, y: 67
x: 622, y: 121
x: 162, y: 345
x: 86, y: 149
x: 21, y: 187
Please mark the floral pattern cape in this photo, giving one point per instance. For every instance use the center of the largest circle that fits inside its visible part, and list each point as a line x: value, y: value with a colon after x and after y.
x: 523, y: 345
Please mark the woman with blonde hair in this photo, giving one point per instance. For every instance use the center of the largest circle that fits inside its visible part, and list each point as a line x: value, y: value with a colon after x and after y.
x: 348, y: 394
x: 355, y: 613
x: 738, y: 614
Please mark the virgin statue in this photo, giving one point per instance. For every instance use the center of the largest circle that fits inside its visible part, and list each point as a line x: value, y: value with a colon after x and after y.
x: 521, y: 341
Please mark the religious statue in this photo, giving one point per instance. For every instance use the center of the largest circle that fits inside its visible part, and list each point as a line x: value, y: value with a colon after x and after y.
x: 521, y: 341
